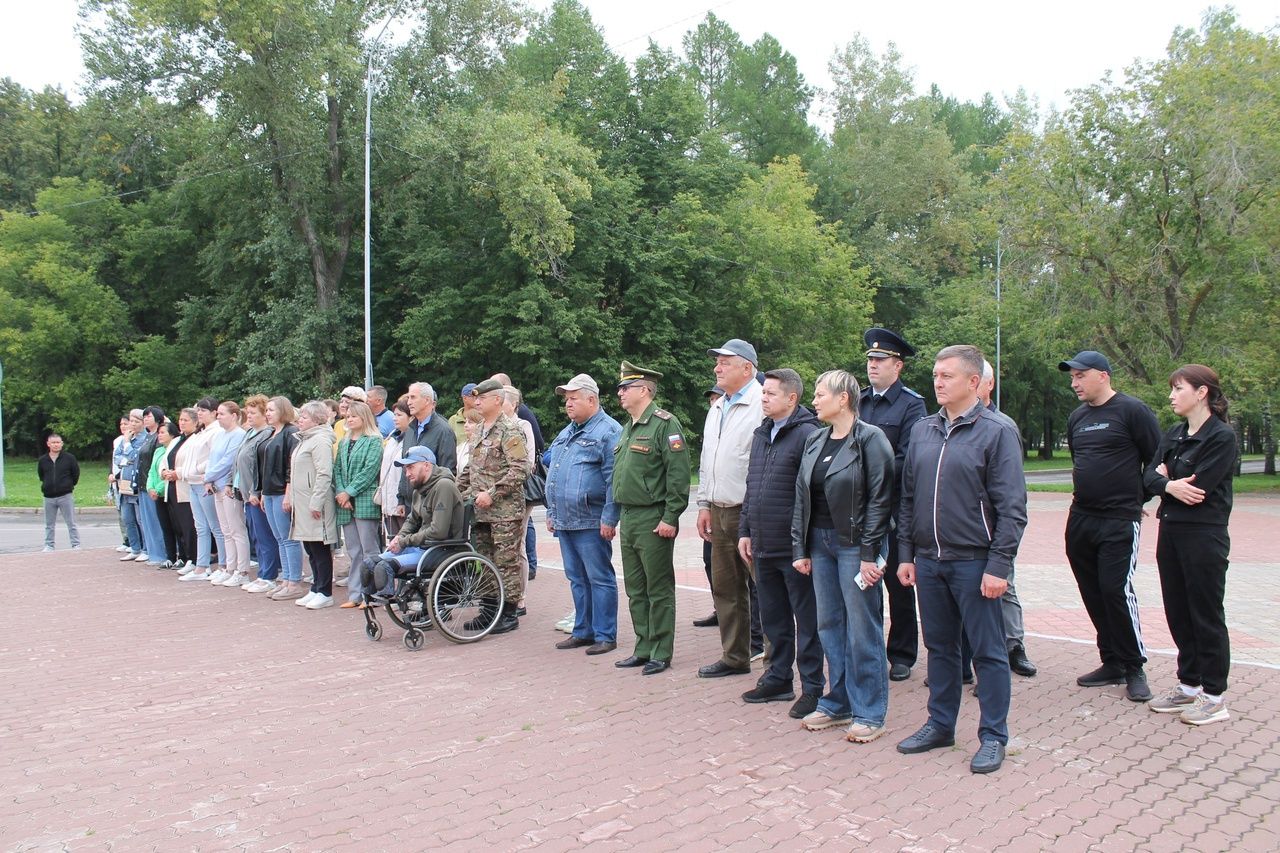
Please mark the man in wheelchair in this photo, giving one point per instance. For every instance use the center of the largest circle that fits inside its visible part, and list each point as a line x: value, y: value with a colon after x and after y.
x: 435, y: 514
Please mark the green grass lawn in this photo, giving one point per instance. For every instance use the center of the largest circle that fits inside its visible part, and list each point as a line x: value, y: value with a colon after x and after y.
x: 1249, y: 484
x: 22, y: 487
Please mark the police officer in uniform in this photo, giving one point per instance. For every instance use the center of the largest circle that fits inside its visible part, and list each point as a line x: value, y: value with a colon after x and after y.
x: 651, y: 488
x: 895, y: 408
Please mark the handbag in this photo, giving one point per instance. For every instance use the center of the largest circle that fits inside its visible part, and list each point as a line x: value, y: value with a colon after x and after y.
x: 535, y: 485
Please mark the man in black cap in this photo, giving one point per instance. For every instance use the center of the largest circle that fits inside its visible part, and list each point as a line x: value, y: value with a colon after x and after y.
x: 1112, y: 437
x: 895, y: 408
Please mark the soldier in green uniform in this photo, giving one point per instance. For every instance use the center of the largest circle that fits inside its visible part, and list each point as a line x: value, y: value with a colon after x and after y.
x: 651, y: 488
x: 494, y: 478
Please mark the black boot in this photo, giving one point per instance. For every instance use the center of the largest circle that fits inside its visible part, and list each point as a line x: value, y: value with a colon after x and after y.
x: 1020, y: 663
x: 508, y: 621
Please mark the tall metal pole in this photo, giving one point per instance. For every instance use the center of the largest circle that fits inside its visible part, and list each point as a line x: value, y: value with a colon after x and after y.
x: 2, y: 431
x: 999, y: 380
x: 368, y: 129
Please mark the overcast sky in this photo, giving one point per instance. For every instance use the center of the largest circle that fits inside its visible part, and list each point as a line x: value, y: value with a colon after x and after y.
x: 968, y: 49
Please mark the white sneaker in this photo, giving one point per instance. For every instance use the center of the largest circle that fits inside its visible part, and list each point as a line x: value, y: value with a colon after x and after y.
x: 566, y: 624
x: 123, y: 549
x: 197, y: 575
x: 306, y: 599
x: 237, y: 579
x: 320, y: 602
x: 340, y: 582
x: 218, y: 577
x: 129, y: 557
x: 271, y: 586
x: 255, y: 585
x: 75, y: 547
x: 142, y: 558
x: 185, y: 569
x: 48, y: 549
x: 253, y: 564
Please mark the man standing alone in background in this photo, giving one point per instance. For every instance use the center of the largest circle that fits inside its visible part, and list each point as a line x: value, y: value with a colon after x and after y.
x: 59, y: 472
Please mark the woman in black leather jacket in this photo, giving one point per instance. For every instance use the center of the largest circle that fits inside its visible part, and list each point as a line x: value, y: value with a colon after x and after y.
x: 273, y: 480
x: 843, y: 495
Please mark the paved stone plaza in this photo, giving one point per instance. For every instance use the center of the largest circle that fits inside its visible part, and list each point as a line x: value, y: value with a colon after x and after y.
x: 144, y: 714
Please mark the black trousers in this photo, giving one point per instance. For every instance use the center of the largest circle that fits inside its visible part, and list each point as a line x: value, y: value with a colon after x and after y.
x: 789, y: 617
x: 902, y: 645
x: 1193, y: 581
x: 1103, y: 553
x: 320, y: 555
x: 184, y: 529
x: 166, y: 530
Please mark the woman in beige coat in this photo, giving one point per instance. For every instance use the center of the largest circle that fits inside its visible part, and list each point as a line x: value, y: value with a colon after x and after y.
x: 310, y: 495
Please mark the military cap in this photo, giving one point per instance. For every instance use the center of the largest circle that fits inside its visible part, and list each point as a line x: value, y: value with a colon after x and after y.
x: 631, y: 373
x: 882, y: 343
x: 468, y: 388
x: 485, y: 387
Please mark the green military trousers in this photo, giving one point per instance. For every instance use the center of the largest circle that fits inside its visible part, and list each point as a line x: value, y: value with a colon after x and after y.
x: 648, y: 575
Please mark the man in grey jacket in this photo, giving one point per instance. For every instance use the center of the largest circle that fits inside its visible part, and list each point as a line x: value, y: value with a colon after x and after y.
x: 963, y: 511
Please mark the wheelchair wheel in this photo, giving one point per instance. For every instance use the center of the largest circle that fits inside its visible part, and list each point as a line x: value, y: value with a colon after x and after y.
x: 413, y: 639
x: 465, y: 597
x: 373, y: 630
x: 409, y: 609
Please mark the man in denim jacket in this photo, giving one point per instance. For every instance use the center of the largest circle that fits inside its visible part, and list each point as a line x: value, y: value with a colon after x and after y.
x: 582, y: 515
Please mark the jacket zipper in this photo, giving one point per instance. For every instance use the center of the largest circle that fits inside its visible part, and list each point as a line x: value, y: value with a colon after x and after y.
x: 937, y: 480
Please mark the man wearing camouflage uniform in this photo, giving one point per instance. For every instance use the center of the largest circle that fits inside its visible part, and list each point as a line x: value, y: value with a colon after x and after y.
x: 494, y: 478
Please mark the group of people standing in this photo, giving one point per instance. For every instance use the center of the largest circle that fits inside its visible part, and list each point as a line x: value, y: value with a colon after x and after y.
x: 820, y: 513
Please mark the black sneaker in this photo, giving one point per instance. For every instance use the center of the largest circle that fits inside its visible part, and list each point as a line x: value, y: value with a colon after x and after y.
x: 804, y: 706
x: 1103, y: 676
x: 769, y: 691
x: 1135, y: 686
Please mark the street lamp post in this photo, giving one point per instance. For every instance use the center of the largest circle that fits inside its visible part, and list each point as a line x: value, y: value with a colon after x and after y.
x: 2, y: 493
x: 368, y: 135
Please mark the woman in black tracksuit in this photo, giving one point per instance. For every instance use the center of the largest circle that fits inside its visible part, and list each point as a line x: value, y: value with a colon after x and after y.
x: 1192, y: 473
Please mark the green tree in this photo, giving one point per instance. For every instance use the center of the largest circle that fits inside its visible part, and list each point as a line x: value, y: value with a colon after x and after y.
x: 766, y: 103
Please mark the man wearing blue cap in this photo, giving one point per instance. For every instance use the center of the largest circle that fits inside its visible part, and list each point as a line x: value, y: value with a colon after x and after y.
x: 1112, y: 437
x: 458, y: 420
x: 722, y: 486
x: 433, y: 514
x: 895, y: 408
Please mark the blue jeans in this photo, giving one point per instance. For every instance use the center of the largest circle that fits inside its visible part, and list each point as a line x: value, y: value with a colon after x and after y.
x: 851, y: 628
x: 207, y: 528
x: 951, y: 601
x: 152, y: 532
x: 132, y: 528
x: 264, y: 542
x: 290, y: 549
x: 588, y: 564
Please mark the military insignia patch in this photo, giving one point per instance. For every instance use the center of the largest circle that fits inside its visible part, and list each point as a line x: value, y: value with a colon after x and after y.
x: 676, y: 442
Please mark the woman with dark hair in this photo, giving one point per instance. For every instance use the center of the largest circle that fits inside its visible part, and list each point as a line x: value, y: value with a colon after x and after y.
x: 195, y: 461
x: 178, y: 495
x: 843, y: 491
x: 1192, y: 472
x: 148, y: 512
x: 156, y: 489
x: 388, y: 496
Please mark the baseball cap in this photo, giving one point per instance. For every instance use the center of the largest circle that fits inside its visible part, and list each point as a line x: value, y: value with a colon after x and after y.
x: 416, y: 454
x: 581, y: 382
x: 738, y: 347
x: 1086, y: 360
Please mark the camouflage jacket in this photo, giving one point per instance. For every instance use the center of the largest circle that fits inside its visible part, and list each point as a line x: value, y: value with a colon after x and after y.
x: 500, y: 462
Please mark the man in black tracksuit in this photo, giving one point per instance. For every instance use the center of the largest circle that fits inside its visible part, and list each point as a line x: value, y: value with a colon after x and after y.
x: 788, y: 613
x: 1112, y: 438
x: 963, y: 511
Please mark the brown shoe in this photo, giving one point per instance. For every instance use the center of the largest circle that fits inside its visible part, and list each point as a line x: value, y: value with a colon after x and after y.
x: 349, y: 605
x: 575, y: 643
x: 289, y: 591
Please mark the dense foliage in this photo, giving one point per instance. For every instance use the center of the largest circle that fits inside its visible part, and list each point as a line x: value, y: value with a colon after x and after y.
x: 543, y: 207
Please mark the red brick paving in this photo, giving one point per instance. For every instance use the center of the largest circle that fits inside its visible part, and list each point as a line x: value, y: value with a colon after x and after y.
x: 143, y: 714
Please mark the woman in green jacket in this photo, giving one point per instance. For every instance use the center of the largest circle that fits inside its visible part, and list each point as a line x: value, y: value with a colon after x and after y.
x: 355, y: 481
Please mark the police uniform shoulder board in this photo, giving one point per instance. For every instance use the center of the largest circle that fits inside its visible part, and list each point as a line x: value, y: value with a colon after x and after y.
x: 915, y: 394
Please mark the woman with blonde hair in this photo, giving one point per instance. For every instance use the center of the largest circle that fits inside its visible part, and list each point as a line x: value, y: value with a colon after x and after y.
x: 310, y: 497
x: 244, y: 487
x: 273, y: 485
x: 229, y: 508
x: 355, y: 482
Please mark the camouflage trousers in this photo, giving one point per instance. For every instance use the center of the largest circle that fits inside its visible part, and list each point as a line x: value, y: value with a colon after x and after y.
x: 502, y: 542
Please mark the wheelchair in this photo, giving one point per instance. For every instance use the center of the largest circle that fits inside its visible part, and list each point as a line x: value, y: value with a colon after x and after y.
x: 453, y: 588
